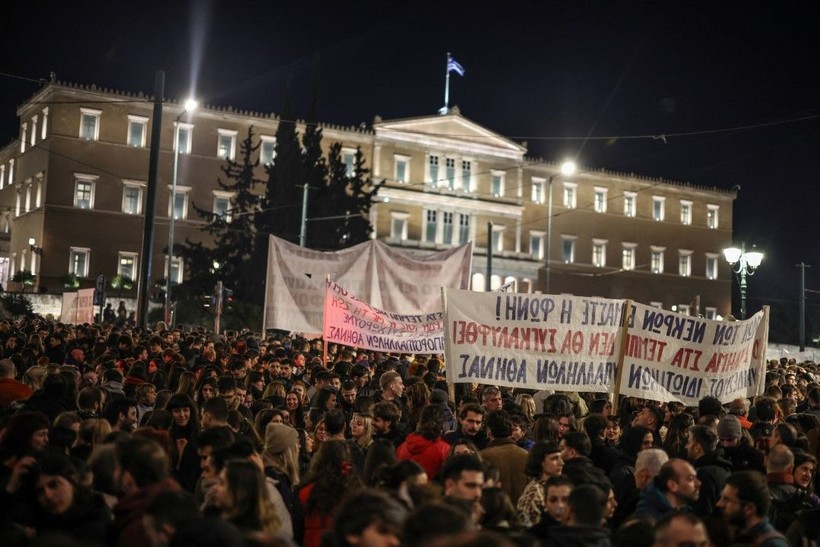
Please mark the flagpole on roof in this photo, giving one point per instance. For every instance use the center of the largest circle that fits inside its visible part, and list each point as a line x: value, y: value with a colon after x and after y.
x: 446, y: 107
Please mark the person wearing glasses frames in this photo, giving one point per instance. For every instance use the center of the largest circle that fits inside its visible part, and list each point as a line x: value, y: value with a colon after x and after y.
x: 744, y: 503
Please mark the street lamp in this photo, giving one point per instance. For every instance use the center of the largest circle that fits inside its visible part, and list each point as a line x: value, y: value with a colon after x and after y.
x: 567, y: 168
x: 190, y: 105
x: 743, y: 264
x: 35, y: 252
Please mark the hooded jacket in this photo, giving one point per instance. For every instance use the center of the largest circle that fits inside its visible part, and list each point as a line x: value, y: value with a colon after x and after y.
x: 428, y: 454
x: 713, y: 470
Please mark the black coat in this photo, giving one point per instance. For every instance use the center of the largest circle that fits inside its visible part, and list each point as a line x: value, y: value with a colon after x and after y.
x: 578, y: 536
x: 712, y: 470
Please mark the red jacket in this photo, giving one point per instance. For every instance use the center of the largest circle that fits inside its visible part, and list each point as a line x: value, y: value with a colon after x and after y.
x: 11, y: 390
x: 315, y: 524
x: 428, y: 454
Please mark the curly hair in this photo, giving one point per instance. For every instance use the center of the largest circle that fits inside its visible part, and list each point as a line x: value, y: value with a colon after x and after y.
x: 333, y: 478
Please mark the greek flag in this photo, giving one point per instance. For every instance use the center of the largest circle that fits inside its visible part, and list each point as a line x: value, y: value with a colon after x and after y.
x: 454, y: 66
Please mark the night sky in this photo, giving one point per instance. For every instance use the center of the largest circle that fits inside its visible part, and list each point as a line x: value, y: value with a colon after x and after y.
x: 733, y: 86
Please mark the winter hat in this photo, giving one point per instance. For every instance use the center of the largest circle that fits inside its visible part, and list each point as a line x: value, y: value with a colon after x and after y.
x: 729, y: 427
x: 279, y: 438
x: 438, y: 396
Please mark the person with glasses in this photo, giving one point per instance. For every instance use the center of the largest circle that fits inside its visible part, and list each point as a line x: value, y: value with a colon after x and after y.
x: 744, y: 503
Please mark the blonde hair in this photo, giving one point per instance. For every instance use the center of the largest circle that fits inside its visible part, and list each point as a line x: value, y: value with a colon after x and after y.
x: 367, y: 439
x: 34, y: 377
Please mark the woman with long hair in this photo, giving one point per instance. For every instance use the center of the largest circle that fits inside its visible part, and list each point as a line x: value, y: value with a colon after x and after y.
x: 677, y: 435
x: 305, y: 450
x: 206, y: 390
x: 320, y: 435
x: 25, y: 436
x: 543, y: 463
x: 418, y: 396
x: 244, y: 501
x: 463, y: 446
x: 330, y: 479
x: 280, y: 455
x: 187, y: 384
x: 425, y: 446
x: 361, y: 431
x: 545, y: 428
x: 403, y: 480
x: 294, y: 405
x: 184, y: 430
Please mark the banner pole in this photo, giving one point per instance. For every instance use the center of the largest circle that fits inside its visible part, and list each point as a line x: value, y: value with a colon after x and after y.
x: 761, y: 377
x: 324, y: 322
x: 619, y: 366
x: 265, y: 289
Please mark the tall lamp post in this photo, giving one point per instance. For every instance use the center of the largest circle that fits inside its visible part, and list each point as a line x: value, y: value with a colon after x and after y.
x: 35, y: 252
x: 567, y: 168
x: 743, y: 264
x: 190, y: 105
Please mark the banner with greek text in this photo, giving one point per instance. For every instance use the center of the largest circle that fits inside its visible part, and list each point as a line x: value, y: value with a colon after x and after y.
x: 375, y: 272
x: 573, y: 343
x: 674, y: 357
x: 534, y: 341
x: 353, y: 322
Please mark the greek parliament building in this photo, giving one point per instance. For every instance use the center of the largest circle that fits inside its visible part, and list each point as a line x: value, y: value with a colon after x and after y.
x: 73, y: 187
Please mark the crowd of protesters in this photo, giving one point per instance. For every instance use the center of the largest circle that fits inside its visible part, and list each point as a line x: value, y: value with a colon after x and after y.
x: 114, y: 435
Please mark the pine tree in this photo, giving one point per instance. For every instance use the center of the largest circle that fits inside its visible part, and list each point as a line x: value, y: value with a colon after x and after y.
x: 233, y: 233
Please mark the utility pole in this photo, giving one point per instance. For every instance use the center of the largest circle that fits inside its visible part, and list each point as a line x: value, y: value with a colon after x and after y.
x: 802, y: 306
x: 303, y: 229
x: 217, y: 306
x: 146, y: 258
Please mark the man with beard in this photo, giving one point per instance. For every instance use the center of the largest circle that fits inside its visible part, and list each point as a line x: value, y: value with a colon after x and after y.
x: 745, y: 503
x: 471, y: 421
x: 121, y: 413
x: 674, y: 489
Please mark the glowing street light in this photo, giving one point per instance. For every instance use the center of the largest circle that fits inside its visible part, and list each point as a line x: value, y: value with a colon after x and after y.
x: 190, y: 105
x: 743, y: 264
x: 567, y: 169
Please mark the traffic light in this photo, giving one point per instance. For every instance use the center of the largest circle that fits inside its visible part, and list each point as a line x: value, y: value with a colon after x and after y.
x: 227, y: 296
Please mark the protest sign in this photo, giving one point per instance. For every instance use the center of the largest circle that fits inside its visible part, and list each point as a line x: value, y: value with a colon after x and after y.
x: 532, y: 341
x: 573, y: 343
x: 353, y: 322
x: 375, y: 272
x: 674, y: 357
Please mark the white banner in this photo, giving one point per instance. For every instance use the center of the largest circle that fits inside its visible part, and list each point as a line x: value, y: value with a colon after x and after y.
x: 350, y: 321
x: 78, y: 307
x: 674, y: 357
x: 376, y: 273
x: 532, y: 341
x: 573, y: 343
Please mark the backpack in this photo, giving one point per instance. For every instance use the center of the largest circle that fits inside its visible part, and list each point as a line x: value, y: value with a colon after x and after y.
x: 784, y: 509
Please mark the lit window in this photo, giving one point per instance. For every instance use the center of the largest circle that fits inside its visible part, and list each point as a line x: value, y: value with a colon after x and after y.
x: 570, y: 195
x: 447, y: 225
x: 432, y: 167
x: 349, y: 159
x: 127, y: 265
x: 84, y: 190
x: 78, y: 261
x: 222, y: 205
x: 466, y: 176
x: 402, y: 168
x: 599, y: 252
x: 450, y: 168
x: 683, y: 309
x: 658, y: 209
x: 568, y: 249
x: 185, y: 132
x: 132, y: 197
x: 711, y: 266
x: 398, y: 225
x: 600, y: 200
x: 464, y: 228
x: 657, y: 259
x: 267, y: 150
x: 712, y: 216
x: 685, y: 264
x: 630, y: 201
x: 137, y: 131
x: 710, y: 313
x: 628, y: 256
x: 538, y: 190
x: 497, y: 184
x: 179, y: 202
x: 537, y: 245
x: 90, y: 124
x: 686, y: 212
x: 431, y: 226
x: 226, y: 144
